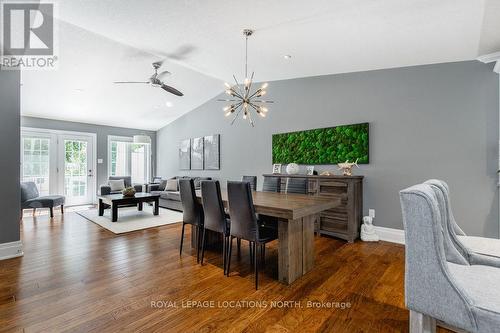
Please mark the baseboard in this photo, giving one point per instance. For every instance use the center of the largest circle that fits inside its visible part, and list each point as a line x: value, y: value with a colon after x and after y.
x: 391, y: 235
x: 11, y: 250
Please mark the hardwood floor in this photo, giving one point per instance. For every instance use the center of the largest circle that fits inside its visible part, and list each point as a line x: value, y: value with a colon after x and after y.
x: 78, y: 277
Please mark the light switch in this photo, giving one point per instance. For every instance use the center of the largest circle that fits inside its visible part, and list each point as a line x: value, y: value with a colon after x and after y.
x: 99, y: 161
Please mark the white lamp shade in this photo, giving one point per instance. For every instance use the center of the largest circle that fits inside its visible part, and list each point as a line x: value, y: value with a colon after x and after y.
x: 142, y: 139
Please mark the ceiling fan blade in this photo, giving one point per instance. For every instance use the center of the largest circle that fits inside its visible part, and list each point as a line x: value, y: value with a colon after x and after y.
x: 163, y: 74
x: 119, y: 82
x: 171, y: 90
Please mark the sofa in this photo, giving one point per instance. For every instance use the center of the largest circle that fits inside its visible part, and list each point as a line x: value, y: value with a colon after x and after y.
x: 172, y: 199
x: 106, y: 189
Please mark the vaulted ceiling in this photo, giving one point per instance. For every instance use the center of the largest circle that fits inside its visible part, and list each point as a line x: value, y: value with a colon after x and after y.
x: 101, y: 41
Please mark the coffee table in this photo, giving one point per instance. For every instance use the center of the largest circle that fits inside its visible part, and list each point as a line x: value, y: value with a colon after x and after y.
x: 116, y: 201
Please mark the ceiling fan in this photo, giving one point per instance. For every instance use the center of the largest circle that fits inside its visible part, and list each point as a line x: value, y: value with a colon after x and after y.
x: 156, y: 80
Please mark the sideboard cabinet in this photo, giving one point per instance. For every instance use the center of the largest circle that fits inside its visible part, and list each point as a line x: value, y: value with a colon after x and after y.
x: 343, y: 221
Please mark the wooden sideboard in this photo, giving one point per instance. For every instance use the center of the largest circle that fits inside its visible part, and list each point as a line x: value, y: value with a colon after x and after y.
x: 343, y: 221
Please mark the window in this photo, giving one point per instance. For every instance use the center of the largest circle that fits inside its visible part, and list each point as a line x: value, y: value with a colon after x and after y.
x: 129, y: 159
x: 35, y: 161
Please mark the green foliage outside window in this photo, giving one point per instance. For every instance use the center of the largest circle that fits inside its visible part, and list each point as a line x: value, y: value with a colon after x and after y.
x: 323, y: 146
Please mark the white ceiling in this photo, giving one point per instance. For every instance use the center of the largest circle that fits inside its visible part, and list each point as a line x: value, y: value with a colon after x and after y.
x: 106, y: 40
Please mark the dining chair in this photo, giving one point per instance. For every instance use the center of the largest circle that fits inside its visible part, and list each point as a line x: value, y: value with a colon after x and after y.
x: 252, y: 180
x: 192, y: 212
x: 475, y: 249
x: 215, y: 217
x: 296, y: 185
x: 461, y: 295
x: 271, y: 184
x: 245, y: 225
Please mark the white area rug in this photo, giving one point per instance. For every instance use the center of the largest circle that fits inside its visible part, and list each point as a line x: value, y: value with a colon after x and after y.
x: 130, y: 219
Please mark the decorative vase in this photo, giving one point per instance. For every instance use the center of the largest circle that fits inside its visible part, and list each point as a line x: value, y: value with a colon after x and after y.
x: 128, y: 192
x: 292, y: 169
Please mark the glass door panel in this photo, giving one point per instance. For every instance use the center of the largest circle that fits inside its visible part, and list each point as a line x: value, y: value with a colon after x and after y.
x: 77, y: 175
x: 35, y: 162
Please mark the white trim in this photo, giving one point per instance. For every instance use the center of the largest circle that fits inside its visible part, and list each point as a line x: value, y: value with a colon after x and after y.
x: 496, y: 69
x: 391, y: 235
x: 11, y: 250
x: 487, y: 58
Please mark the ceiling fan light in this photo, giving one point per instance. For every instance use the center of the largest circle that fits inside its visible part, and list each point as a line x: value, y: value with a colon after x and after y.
x: 262, y: 114
x: 228, y: 113
x: 227, y: 85
x: 226, y: 108
x: 264, y: 86
x: 263, y: 109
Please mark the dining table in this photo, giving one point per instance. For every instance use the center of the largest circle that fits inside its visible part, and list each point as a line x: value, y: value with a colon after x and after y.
x: 296, y: 215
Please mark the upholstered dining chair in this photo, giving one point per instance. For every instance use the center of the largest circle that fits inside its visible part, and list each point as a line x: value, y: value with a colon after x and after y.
x: 252, y: 180
x: 244, y: 224
x: 461, y: 295
x: 271, y: 184
x: 192, y: 212
x: 215, y: 217
x: 475, y: 249
x: 296, y: 185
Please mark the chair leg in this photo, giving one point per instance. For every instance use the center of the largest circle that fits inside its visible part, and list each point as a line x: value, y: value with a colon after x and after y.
x: 203, y: 246
x: 51, y: 212
x: 263, y: 255
x: 224, y: 252
x: 250, y: 250
x: 420, y: 323
x: 238, y: 244
x: 256, y: 266
x: 229, y: 254
x: 34, y: 211
x: 62, y: 209
x: 182, y: 238
x: 198, y: 240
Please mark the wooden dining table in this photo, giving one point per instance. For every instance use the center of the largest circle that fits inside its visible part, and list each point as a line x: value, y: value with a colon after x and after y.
x: 296, y: 214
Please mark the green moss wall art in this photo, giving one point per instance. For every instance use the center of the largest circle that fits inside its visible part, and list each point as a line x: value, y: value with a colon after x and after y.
x: 330, y: 145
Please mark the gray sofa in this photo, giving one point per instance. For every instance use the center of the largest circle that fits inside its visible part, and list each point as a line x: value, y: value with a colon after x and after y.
x: 106, y: 189
x: 172, y: 199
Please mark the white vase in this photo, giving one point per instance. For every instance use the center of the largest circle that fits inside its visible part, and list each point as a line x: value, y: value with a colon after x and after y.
x: 292, y: 169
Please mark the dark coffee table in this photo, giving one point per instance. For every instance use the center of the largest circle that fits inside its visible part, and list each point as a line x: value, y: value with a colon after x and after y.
x: 116, y: 201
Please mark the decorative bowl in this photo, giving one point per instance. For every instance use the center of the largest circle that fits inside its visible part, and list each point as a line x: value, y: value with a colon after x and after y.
x: 128, y: 192
x: 292, y: 169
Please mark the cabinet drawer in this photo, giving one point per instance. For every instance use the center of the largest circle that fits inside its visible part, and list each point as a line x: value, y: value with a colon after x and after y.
x: 333, y: 189
x: 333, y: 224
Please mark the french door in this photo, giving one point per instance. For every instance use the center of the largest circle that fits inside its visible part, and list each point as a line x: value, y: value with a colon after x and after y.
x: 59, y: 163
x: 76, y: 174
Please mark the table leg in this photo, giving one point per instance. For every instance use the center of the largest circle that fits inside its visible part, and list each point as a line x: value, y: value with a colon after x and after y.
x: 156, y: 209
x: 101, y: 208
x: 295, y: 248
x: 114, y: 212
x: 139, y: 206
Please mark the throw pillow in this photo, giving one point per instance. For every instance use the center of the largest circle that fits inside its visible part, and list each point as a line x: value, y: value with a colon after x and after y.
x: 116, y: 185
x: 162, y: 186
x: 171, y: 185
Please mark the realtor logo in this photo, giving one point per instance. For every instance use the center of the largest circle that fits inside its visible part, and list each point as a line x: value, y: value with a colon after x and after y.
x: 27, y: 35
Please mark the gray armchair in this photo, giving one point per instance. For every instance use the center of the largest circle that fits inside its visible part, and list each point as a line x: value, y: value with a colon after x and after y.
x: 30, y: 198
x: 106, y: 189
x: 461, y: 295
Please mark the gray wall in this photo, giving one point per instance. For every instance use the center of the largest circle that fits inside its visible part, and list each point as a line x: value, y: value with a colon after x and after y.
x: 10, y: 198
x: 433, y: 121
x: 102, y: 138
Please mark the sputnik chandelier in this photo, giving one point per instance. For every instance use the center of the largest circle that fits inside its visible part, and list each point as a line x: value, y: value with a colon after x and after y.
x: 243, y: 99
